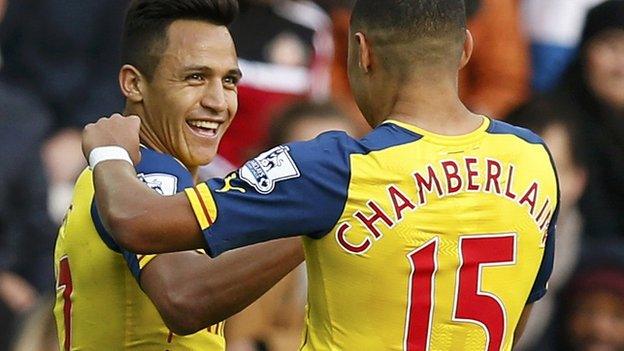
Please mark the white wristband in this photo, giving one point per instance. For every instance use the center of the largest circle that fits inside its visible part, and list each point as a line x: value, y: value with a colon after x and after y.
x: 106, y: 153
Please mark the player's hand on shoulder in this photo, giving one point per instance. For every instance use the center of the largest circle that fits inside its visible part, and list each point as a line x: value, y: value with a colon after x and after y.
x: 116, y: 130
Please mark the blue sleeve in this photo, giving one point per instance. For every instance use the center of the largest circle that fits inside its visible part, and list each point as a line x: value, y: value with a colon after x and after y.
x: 165, y: 175
x: 543, y: 275
x: 295, y: 189
x: 540, y: 286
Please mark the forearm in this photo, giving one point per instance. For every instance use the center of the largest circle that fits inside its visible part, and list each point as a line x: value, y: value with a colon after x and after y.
x: 137, y: 217
x: 195, y: 291
x: 264, y: 265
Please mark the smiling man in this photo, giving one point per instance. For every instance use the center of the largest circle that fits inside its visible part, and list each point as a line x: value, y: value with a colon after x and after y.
x: 180, y: 77
x: 433, y: 232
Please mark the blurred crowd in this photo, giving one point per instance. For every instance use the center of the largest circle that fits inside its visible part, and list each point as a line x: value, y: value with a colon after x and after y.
x: 554, y: 66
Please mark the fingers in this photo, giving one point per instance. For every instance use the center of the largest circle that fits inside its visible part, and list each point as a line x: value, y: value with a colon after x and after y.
x: 115, y: 130
x: 113, y: 123
x: 87, y: 140
x: 135, y: 125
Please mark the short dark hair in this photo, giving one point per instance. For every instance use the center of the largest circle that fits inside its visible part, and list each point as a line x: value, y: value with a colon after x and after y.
x: 472, y: 8
x: 432, y: 30
x: 145, y: 29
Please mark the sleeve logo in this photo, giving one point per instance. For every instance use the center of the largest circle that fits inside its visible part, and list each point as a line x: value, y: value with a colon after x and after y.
x: 164, y: 184
x: 269, y: 168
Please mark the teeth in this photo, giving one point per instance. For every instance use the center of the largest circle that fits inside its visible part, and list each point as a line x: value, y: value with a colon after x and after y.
x: 204, y: 124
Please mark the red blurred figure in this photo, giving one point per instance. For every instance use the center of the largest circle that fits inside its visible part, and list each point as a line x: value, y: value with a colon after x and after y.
x: 285, y: 50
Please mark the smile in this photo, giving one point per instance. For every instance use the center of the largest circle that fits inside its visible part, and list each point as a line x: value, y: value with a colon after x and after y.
x: 204, y: 128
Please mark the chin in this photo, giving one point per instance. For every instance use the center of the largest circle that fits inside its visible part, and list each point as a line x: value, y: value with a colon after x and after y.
x: 202, y: 157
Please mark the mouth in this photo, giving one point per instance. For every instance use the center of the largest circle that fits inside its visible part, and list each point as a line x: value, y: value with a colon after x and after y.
x: 206, y: 129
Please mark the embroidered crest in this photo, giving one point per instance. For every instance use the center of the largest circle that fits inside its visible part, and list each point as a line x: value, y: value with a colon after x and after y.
x: 269, y: 168
x: 164, y: 184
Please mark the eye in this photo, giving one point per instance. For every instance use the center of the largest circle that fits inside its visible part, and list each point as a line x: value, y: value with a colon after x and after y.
x: 195, y: 77
x: 230, y: 81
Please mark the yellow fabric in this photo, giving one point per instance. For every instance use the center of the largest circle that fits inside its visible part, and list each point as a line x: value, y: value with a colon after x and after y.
x: 144, y: 260
x: 201, y: 204
x: 109, y: 311
x: 382, y: 271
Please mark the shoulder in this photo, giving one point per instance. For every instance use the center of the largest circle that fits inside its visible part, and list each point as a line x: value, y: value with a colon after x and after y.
x: 152, y: 161
x: 503, y: 128
x: 530, y: 147
x: 329, y: 149
x: 24, y: 114
x: 339, y: 145
x: 325, y: 159
x: 162, y: 172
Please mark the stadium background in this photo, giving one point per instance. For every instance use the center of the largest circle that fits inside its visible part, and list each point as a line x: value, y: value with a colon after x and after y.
x: 551, y: 65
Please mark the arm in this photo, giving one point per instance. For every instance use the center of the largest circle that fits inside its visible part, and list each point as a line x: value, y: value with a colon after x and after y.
x: 138, y: 218
x: 296, y: 189
x: 524, y: 318
x: 540, y: 285
x: 192, y: 291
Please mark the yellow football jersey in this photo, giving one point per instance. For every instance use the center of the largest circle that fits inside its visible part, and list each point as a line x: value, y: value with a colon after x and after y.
x: 414, y: 241
x: 99, y: 303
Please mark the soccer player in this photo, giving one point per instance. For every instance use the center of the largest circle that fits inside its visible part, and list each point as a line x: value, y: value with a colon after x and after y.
x: 180, y: 76
x: 433, y: 232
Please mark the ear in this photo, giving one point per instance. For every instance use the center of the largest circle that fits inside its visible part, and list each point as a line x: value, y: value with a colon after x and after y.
x: 364, y: 52
x: 131, y: 83
x: 467, y: 52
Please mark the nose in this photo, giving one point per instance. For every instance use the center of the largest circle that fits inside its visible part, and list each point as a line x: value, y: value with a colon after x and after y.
x: 213, y: 97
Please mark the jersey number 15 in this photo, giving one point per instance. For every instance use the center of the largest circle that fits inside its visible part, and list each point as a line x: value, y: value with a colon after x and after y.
x: 471, y: 304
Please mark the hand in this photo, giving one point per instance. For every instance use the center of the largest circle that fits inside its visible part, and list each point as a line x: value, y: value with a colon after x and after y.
x: 16, y: 293
x: 115, y: 130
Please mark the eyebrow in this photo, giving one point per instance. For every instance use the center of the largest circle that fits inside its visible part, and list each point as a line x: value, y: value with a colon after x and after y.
x: 234, y: 71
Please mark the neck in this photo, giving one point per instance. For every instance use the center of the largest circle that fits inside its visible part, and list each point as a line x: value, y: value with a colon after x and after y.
x: 435, y: 108
x: 149, y: 138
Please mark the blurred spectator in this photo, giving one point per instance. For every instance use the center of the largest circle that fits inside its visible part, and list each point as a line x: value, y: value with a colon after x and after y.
x: 554, y: 28
x: 62, y: 165
x: 38, y: 333
x: 496, y: 80
x: 66, y: 53
x: 306, y: 120
x: 330, y: 5
x: 594, y: 88
x: 591, y: 96
x: 561, y: 132
x: 285, y: 50
x: 26, y: 235
x: 593, y: 309
x: 340, y: 13
x: 275, y: 321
